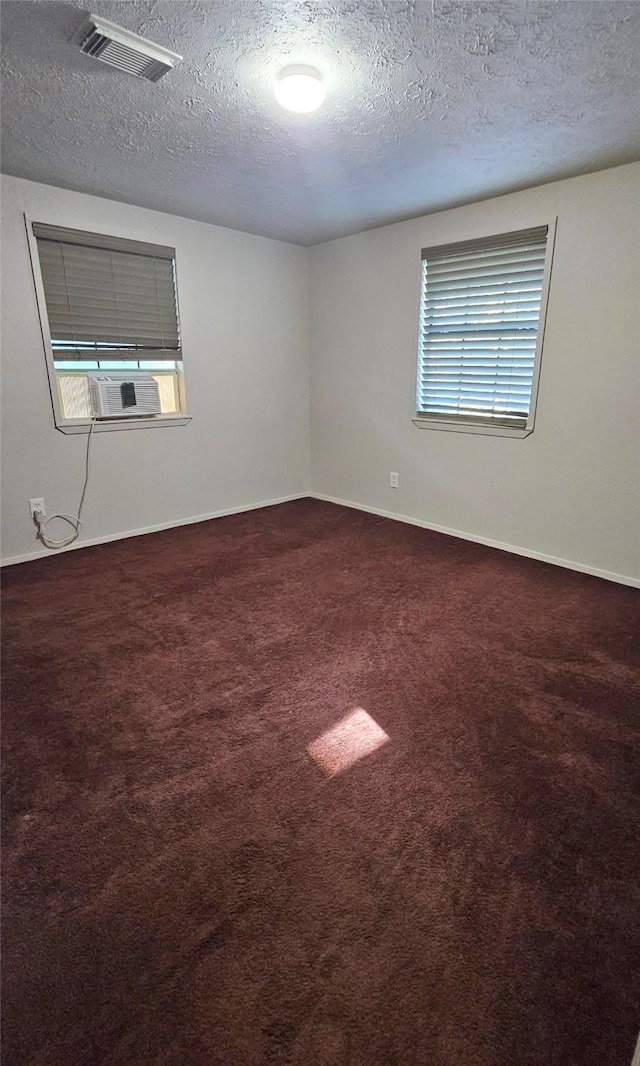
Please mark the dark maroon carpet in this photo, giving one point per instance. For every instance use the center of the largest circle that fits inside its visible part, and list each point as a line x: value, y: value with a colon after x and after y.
x: 186, y: 886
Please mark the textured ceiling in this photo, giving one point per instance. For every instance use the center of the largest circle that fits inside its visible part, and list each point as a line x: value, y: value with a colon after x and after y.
x: 429, y: 104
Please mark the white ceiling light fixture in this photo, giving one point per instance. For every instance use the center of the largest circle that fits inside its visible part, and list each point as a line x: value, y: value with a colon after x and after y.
x: 300, y: 89
x: 127, y: 51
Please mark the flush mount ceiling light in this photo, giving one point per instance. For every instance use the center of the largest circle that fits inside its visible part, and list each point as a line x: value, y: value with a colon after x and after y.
x: 125, y: 50
x: 299, y: 89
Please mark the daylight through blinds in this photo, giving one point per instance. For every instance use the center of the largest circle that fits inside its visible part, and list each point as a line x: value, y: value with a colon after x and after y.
x: 479, y: 316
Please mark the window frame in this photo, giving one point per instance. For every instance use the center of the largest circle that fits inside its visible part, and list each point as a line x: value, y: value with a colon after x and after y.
x: 83, y: 425
x: 423, y: 420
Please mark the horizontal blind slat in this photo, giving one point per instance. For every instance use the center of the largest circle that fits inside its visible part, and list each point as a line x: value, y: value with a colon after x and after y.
x: 78, y: 336
x: 473, y: 319
x: 102, y: 313
x: 486, y: 417
x: 469, y: 357
x: 95, y: 288
x: 443, y: 269
x: 476, y: 409
x: 484, y: 388
x: 507, y: 300
x: 475, y: 374
x: 491, y: 276
x: 503, y: 380
x: 115, y: 354
x: 485, y: 288
x: 443, y: 393
x: 101, y: 325
x: 530, y: 253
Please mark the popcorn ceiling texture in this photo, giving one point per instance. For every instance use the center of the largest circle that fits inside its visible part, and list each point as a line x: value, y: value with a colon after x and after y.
x: 430, y: 104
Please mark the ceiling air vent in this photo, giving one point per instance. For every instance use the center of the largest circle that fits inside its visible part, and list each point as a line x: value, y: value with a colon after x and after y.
x: 126, y: 51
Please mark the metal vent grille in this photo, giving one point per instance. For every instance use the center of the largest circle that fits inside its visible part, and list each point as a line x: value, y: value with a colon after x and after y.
x: 126, y: 51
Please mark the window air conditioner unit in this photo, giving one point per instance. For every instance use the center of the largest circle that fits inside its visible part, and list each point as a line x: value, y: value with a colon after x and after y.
x: 123, y: 395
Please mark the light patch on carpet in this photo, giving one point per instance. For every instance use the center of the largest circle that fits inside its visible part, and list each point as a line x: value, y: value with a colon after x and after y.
x: 355, y: 736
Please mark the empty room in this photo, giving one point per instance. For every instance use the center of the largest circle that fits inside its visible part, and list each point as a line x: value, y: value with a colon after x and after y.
x: 321, y: 533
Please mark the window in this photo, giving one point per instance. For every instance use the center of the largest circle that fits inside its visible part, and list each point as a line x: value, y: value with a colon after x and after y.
x: 480, y: 339
x: 109, y: 304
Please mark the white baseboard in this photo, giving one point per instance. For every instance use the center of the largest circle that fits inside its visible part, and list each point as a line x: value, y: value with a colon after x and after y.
x: 594, y: 571
x: 608, y: 575
x: 42, y: 552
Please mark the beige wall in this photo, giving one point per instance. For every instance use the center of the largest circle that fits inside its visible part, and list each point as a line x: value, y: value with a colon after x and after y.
x: 243, y: 309
x: 571, y: 490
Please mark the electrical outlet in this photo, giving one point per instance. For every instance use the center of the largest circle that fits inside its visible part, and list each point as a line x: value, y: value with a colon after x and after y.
x: 393, y: 479
x: 36, y: 507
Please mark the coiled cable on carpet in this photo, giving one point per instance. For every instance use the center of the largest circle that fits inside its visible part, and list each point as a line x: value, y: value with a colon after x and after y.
x: 73, y: 520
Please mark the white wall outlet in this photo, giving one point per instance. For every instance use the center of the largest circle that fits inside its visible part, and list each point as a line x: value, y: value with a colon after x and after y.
x: 393, y: 479
x: 36, y: 507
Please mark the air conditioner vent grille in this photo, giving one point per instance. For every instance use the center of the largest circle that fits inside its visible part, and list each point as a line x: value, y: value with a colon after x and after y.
x: 126, y: 51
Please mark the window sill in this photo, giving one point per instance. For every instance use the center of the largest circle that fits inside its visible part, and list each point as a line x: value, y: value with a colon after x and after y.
x: 82, y: 425
x: 470, y: 427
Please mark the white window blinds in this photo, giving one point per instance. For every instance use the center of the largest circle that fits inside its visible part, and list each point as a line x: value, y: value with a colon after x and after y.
x: 108, y: 295
x: 479, y: 316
